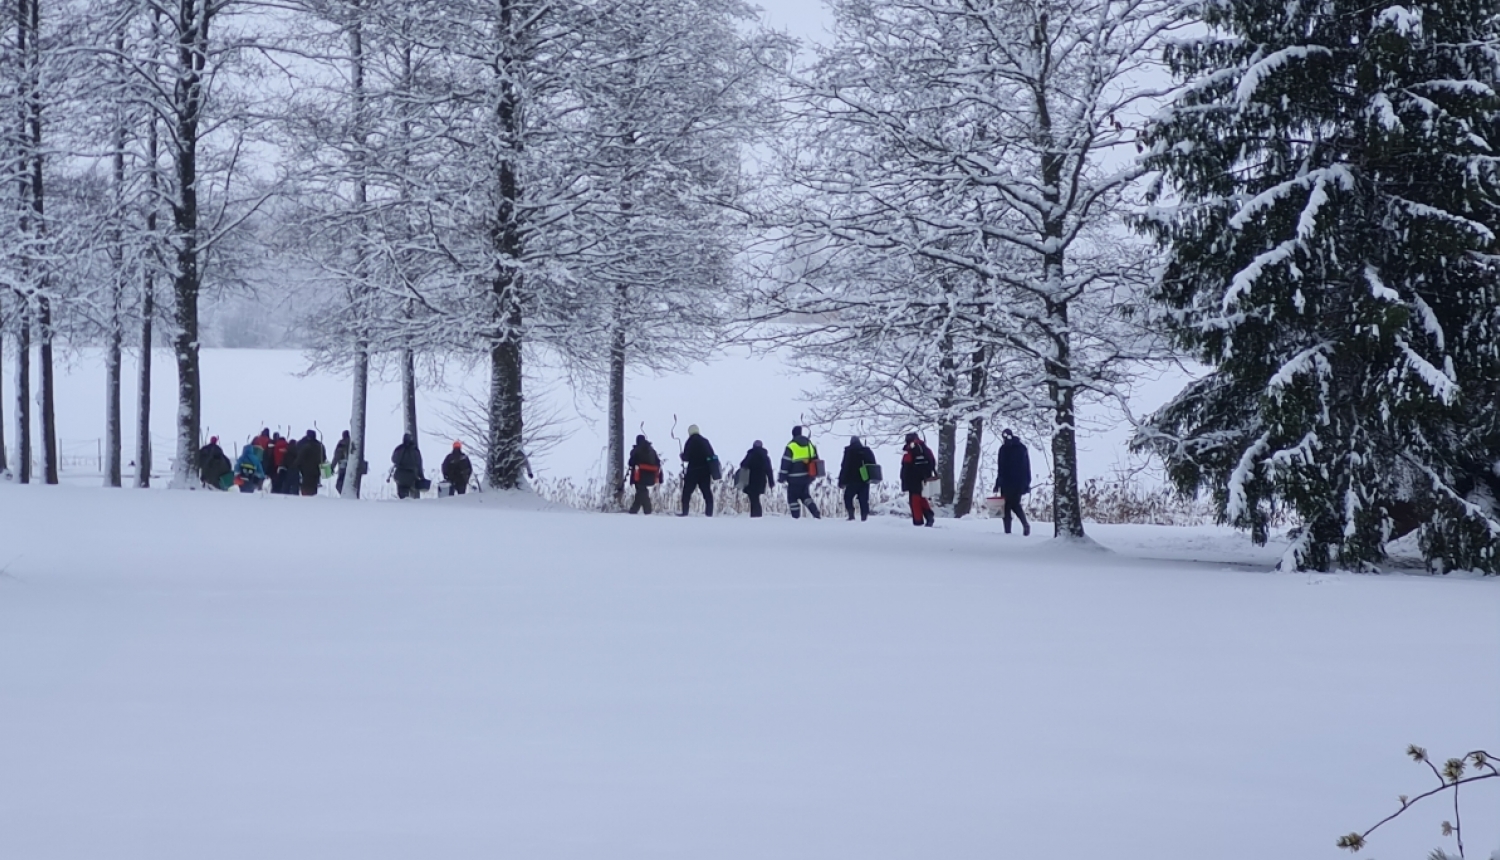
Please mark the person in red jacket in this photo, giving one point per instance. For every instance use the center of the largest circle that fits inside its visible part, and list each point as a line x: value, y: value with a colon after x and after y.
x: 917, y: 467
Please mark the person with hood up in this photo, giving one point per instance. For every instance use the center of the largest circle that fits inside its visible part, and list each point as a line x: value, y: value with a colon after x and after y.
x: 761, y: 475
x: 457, y: 470
x: 340, y: 462
x: 917, y: 468
x: 249, y: 471
x: 698, y: 454
x: 406, y: 467
x: 1013, y: 480
x: 852, y: 477
x: 645, y: 473
x: 796, y: 473
x: 213, y: 465
x: 288, y: 479
x: 311, y: 455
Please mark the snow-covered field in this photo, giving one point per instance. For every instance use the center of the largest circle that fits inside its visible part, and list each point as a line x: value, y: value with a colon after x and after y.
x: 198, y: 675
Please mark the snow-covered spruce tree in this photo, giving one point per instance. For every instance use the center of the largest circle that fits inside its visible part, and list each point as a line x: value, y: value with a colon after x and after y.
x: 991, y: 137
x: 1333, y: 258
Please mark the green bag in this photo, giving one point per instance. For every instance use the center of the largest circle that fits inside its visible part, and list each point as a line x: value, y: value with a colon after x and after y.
x: 325, y: 470
x: 870, y: 473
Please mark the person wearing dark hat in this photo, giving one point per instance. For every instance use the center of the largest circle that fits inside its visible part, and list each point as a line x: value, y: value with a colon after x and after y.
x: 699, y: 456
x: 1013, y: 479
x: 917, y: 468
x: 213, y: 465
x: 406, y: 468
x: 645, y: 473
x: 760, y: 476
x: 854, y: 479
x: 340, y: 462
x: 457, y: 469
x: 797, y: 473
x: 311, y: 455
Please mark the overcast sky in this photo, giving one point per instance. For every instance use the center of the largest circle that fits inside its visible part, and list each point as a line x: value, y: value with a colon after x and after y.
x: 806, y: 19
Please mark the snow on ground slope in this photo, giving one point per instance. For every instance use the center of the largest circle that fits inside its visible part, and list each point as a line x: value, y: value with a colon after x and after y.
x: 195, y: 675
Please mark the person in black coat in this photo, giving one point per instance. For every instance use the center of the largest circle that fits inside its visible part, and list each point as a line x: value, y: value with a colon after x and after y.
x: 917, y: 467
x: 311, y: 455
x: 458, y: 469
x: 761, y: 475
x: 698, y: 454
x: 645, y: 473
x: 213, y: 464
x: 852, y: 479
x: 1013, y: 479
x: 406, y: 467
x: 340, y: 462
x: 288, y: 481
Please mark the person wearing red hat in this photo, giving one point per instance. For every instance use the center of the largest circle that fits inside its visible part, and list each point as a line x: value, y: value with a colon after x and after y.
x: 457, y: 470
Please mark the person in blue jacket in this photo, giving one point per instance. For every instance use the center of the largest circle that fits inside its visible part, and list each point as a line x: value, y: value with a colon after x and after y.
x: 248, y: 471
x: 1014, y: 479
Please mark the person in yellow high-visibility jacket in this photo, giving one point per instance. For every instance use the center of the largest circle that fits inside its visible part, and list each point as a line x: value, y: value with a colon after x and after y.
x: 795, y: 462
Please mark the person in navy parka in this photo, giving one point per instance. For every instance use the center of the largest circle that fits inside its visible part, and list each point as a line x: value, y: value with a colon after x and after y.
x: 1014, y: 478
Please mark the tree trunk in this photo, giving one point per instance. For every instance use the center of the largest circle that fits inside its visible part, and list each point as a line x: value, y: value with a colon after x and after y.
x: 947, y: 452
x: 115, y: 339
x: 353, y: 468
x: 973, y: 451
x: 143, y: 391
x: 615, y: 478
x: 4, y: 462
x: 113, y: 358
x: 148, y: 294
x: 974, y: 444
x: 1067, y: 510
x: 409, y: 393
x: 507, y: 458
x: 23, y: 395
x: 192, y: 28
x: 49, y: 404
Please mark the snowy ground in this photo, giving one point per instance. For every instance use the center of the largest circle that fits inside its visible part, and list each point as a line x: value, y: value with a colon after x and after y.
x: 195, y: 675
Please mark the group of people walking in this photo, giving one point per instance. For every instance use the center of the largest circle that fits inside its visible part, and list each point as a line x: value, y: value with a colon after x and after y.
x: 292, y: 466
x: 299, y: 466
x: 801, y: 466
